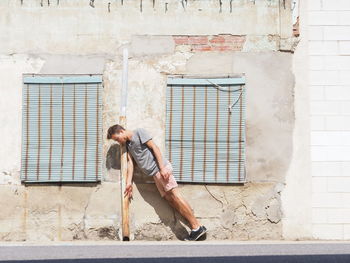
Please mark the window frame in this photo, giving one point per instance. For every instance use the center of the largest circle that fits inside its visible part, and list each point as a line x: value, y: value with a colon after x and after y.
x: 86, y: 82
x: 197, y: 81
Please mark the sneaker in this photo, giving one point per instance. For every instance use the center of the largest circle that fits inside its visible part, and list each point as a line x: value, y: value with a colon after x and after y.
x: 195, y: 235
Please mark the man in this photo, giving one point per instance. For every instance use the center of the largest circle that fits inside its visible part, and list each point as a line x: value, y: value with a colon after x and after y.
x: 148, y: 157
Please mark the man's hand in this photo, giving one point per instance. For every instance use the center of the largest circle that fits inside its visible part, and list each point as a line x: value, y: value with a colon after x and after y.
x: 130, y: 171
x: 128, y: 191
x: 165, y: 173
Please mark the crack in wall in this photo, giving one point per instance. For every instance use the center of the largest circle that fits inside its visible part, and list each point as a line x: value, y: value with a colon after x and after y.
x: 224, y: 193
x: 222, y: 203
x: 85, y: 210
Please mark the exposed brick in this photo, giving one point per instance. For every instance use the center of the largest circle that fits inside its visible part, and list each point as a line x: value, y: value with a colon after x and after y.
x: 228, y: 46
x: 222, y: 42
x: 237, y: 47
x: 201, y: 47
x: 217, y: 39
x: 181, y: 40
x: 222, y: 48
x: 234, y: 38
x: 202, y: 40
x: 296, y: 31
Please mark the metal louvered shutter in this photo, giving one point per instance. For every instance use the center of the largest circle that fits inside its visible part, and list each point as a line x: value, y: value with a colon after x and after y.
x: 205, y: 129
x: 61, y: 135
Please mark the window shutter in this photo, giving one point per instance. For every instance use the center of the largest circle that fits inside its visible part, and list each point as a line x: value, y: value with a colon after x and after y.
x: 205, y: 129
x: 62, y: 137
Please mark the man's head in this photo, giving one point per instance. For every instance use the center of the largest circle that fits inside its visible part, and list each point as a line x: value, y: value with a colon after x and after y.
x: 117, y: 133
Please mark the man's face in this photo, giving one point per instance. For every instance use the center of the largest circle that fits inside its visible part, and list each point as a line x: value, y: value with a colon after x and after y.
x: 120, y: 137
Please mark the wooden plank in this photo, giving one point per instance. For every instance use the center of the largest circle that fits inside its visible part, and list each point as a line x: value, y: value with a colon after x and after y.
x: 124, y: 199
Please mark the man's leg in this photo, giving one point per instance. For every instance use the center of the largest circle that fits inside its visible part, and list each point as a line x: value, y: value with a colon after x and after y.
x: 180, y: 204
x: 168, y: 190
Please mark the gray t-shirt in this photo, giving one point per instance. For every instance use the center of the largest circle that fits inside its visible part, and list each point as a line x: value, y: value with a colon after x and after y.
x: 143, y: 155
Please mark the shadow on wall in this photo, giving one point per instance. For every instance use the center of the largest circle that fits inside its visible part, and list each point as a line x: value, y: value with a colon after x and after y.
x: 149, y: 193
x: 168, y: 216
x: 113, y: 157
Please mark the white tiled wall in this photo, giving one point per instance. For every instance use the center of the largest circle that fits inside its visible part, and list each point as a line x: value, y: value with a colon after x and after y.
x: 329, y: 65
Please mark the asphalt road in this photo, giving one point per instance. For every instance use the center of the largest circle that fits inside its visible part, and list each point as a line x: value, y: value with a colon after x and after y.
x: 176, y: 252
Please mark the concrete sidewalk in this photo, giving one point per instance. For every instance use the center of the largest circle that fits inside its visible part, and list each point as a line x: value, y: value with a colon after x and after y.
x: 30, y: 251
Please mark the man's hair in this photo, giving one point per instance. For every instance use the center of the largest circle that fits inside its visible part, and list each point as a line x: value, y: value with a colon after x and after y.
x: 114, y: 129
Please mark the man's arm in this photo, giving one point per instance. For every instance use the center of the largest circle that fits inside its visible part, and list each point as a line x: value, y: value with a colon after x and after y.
x: 158, y: 155
x: 129, y: 175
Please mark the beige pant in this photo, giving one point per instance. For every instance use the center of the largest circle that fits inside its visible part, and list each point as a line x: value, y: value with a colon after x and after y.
x: 165, y: 185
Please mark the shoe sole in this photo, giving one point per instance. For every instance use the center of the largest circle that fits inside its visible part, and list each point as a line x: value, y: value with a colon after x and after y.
x: 201, y: 234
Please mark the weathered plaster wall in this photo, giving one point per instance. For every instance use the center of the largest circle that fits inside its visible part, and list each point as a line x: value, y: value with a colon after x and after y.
x: 77, y: 27
x: 252, y: 211
x: 74, y: 37
x: 296, y: 198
